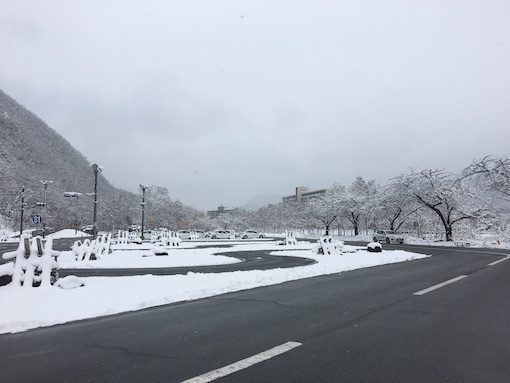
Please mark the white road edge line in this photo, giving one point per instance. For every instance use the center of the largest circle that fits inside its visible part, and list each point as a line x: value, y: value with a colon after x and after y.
x: 242, y: 364
x: 499, y: 260
x: 438, y: 286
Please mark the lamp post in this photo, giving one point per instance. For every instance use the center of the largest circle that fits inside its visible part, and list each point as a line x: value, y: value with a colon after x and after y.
x: 45, y: 184
x: 143, y: 188
x: 22, y: 211
x: 97, y: 169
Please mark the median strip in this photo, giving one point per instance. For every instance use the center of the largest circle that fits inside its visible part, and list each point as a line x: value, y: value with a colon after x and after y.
x: 244, y: 363
x: 438, y: 286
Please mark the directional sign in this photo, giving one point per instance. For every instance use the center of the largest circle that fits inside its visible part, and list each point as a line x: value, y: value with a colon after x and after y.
x: 36, y: 219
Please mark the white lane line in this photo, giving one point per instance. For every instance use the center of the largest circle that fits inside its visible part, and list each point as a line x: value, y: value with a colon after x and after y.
x: 499, y: 260
x: 438, y: 286
x: 242, y: 364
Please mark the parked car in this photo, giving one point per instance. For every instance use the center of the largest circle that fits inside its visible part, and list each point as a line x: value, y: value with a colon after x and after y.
x: 220, y: 234
x: 251, y: 234
x: 87, y: 229
x: 184, y: 234
x: 388, y: 236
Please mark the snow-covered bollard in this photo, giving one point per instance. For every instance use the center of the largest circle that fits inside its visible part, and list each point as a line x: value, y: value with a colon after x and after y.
x: 83, y: 251
x: 174, y: 240
x: 290, y: 238
x: 374, y: 247
x: 103, y: 244
x: 326, y: 246
x: 33, y: 263
x: 122, y: 238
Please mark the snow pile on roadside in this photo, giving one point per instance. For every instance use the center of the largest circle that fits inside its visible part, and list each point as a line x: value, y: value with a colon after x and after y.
x: 29, y: 308
x: 67, y: 233
x: 489, y: 244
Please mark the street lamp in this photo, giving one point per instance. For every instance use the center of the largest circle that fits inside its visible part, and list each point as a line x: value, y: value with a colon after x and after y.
x: 23, y: 204
x: 96, y: 169
x: 143, y: 188
x: 45, y: 184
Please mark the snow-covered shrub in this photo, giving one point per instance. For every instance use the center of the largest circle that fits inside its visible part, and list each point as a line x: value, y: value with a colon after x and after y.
x: 290, y: 238
x: 34, y: 263
x: 91, y: 250
x: 70, y: 282
x: 326, y: 246
x: 374, y: 247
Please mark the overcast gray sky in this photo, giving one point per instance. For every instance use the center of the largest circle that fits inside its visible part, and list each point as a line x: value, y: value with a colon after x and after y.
x: 223, y: 100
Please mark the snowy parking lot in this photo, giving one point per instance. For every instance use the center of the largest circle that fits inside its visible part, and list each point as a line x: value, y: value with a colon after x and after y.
x: 26, y: 308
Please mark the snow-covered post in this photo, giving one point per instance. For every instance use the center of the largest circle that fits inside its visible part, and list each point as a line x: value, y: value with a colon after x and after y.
x: 326, y: 246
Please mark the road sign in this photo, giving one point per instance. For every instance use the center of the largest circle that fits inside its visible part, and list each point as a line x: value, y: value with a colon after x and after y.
x: 36, y: 219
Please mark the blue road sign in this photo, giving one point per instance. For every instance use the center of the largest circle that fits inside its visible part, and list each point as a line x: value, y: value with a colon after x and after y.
x: 36, y: 219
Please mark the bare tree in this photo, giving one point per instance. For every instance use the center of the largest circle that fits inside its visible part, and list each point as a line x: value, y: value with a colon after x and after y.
x: 443, y: 194
x: 493, y: 172
x: 326, y: 208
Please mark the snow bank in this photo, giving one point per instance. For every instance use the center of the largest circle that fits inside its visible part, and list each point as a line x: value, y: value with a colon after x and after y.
x: 67, y: 233
x: 110, y: 295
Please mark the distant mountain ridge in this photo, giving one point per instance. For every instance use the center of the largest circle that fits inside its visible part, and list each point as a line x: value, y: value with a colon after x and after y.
x: 31, y: 151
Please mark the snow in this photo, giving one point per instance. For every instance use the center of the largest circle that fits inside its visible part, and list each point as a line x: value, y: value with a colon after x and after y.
x: 373, y: 245
x: 146, y: 259
x: 70, y: 282
x: 67, y: 233
x: 30, y: 308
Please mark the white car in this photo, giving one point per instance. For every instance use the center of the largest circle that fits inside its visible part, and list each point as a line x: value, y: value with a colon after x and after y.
x: 251, y: 234
x: 388, y: 236
x: 184, y: 234
x: 220, y: 234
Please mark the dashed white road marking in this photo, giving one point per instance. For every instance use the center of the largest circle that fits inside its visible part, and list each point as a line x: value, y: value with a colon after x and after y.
x: 499, y: 260
x: 438, y: 286
x: 242, y: 364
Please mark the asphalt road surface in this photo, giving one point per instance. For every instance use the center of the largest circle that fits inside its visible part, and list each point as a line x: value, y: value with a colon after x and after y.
x: 440, y: 319
x: 251, y: 260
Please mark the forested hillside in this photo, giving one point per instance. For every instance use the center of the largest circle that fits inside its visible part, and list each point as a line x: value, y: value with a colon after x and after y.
x: 31, y: 151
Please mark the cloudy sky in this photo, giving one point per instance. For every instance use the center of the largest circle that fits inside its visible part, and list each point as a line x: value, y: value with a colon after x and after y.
x: 223, y: 100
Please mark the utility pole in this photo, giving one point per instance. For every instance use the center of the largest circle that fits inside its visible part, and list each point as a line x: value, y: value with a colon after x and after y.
x: 22, y: 211
x: 143, y: 188
x: 45, y: 184
x: 97, y: 169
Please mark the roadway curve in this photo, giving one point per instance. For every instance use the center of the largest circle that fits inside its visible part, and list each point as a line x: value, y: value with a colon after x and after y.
x: 366, y: 325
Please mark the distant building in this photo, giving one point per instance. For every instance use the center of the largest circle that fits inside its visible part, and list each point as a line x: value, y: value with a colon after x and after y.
x: 216, y: 213
x: 303, y: 193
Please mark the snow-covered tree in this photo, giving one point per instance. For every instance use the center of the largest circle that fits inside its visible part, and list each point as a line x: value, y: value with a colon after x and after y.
x: 444, y: 195
x: 358, y: 201
x: 394, y: 206
x: 492, y: 172
x: 326, y: 208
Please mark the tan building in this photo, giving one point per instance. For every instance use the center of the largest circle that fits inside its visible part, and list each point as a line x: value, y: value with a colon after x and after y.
x: 216, y: 213
x: 303, y: 193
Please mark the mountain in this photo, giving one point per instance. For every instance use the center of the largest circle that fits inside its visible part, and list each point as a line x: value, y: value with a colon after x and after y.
x: 31, y: 151
x: 262, y: 200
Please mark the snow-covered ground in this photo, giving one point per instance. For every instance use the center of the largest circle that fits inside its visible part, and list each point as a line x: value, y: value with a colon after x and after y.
x: 145, y: 258
x: 10, y: 236
x: 28, y: 308
x: 68, y: 233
